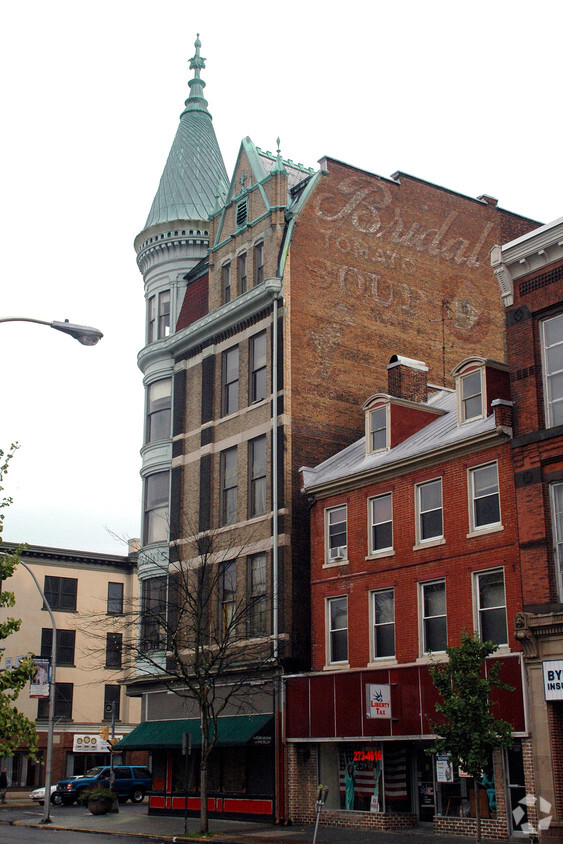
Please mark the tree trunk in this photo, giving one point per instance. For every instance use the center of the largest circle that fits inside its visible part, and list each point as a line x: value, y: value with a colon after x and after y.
x: 477, y: 810
x: 203, y: 819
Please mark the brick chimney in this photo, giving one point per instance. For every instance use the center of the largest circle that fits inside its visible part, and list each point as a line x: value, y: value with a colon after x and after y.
x: 406, y: 379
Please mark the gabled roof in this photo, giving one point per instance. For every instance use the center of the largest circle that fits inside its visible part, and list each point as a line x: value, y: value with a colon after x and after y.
x: 352, y: 464
x: 194, y: 173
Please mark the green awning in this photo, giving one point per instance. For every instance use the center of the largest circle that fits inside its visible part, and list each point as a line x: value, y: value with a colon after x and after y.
x: 167, y: 735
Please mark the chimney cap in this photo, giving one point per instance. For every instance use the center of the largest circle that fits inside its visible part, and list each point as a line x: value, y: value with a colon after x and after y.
x: 399, y: 360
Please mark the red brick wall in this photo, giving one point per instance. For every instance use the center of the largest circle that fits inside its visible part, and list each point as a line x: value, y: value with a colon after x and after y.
x: 455, y: 560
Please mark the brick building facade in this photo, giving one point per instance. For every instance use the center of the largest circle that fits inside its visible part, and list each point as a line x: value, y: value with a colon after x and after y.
x: 530, y: 273
x: 274, y: 300
x: 414, y: 539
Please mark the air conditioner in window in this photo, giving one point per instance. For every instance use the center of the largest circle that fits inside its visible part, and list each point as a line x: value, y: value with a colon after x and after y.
x: 338, y: 553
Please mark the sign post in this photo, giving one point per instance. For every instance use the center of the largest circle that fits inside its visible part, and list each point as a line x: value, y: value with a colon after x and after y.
x: 322, y: 794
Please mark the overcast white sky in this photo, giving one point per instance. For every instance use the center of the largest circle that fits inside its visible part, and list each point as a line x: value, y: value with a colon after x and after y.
x: 466, y: 96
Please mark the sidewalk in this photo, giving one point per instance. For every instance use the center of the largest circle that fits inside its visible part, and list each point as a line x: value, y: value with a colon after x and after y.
x: 134, y: 823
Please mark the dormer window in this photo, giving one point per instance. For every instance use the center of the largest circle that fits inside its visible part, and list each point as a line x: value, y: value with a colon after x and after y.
x: 377, y: 425
x: 471, y: 395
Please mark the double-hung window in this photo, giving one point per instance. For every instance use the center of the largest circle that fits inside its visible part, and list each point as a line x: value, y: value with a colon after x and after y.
x: 381, y: 523
x: 383, y: 614
x: 258, y: 367
x: 552, y: 348
x: 491, y: 606
x: 471, y: 395
x: 257, y: 594
x: 433, y: 613
x: 159, y: 404
x: 60, y: 592
x: 429, y: 510
x: 112, y: 696
x: 115, y: 598
x: 337, y: 632
x: 378, y: 428
x: 158, y: 316
x: 63, y: 703
x: 485, y: 500
x: 156, y: 508
x: 114, y: 648
x: 556, y: 491
x: 230, y: 376
x: 259, y: 262
x: 337, y: 533
x: 226, y: 282
x: 257, y: 479
x: 65, y: 645
x: 153, y: 613
x: 229, y: 484
x: 241, y: 272
x: 228, y: 597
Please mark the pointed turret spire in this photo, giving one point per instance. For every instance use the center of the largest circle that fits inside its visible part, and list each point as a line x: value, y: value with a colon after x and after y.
x: 195, y: 170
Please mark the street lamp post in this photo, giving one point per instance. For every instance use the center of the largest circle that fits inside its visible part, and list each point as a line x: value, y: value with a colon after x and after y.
x: 85, y: 334
x: 52, y: 679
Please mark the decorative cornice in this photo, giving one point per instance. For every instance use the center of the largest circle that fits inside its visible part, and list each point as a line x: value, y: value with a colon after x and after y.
x: 222, y: 319
x: 526, y: 254
x: 531, y: 627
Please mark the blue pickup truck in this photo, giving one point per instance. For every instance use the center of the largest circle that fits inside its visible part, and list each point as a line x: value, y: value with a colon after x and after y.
x: 131, y: 782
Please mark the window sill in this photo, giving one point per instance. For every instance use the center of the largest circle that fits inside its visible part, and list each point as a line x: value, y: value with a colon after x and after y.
x: 337, y: 666
x: 335, y: 564
x: 429, y: 543
x: 427, y: 659
x: 383, y: 662
x: 484, y: 531
x: 377, y: 555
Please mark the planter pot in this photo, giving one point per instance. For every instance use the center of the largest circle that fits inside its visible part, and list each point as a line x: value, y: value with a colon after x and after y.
x: 100, y: 807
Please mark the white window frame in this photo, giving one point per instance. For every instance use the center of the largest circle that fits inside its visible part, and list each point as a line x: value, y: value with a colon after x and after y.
x: 473, y: 498
x: 462, y: 416
x: 424, y: 618
x: 437, y: 538
x: 477, y: 602
x: 341, y: 554
x: 375, y: 624
x: 380, y: 408
x: 387, y: 549
x: 549, y: 401
x: 330, y: 631
x: 555, y: 493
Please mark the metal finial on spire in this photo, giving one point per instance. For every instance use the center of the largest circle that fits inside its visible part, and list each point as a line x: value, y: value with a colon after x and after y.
x: 196, y: 101
x: 278, y: 166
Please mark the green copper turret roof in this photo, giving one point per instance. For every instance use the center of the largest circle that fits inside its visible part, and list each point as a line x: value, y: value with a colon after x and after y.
x: 195, y: 173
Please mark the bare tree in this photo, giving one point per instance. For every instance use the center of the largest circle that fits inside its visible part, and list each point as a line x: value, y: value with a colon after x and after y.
x: 214, y: 635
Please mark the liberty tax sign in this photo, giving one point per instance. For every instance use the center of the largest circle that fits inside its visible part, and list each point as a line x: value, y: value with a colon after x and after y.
x: 378, y: 701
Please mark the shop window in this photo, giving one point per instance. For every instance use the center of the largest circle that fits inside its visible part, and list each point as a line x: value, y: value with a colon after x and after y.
x: 337, y: 612
x: 551, y: 333
x: 241, y: 272
x: 259, y: 262
x: 229, y: 486
x: 230, y: 376
x: 115, y: 598
x: 381, y: 523
x: 63, y: 703
x: 159, y: 405
x: 258, y: 372
x: 257, y: 476
x: 60, y: 593
x: 257, y: 594
x: 65, y: 645
x: 491, y: 606
x: 336, y: 534
x: 485, y: 499
x: 156, y: 508
x: 114, y: 649
x: 112, y: 698
x: 383, y: 610
x: 434, y: 627
x: 429, y: 510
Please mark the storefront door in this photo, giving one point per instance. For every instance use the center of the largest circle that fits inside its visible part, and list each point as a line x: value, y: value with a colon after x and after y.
x: 425, y: 786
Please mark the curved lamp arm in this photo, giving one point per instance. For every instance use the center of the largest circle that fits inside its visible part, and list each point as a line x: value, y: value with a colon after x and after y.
x: 85, y: 334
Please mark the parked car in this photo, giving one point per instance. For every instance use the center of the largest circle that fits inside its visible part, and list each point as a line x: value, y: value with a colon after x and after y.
x: 39, y: 795
x: 131, y: 783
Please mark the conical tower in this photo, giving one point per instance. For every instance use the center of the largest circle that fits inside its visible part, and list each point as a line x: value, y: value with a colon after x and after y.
x: 175, y: 237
